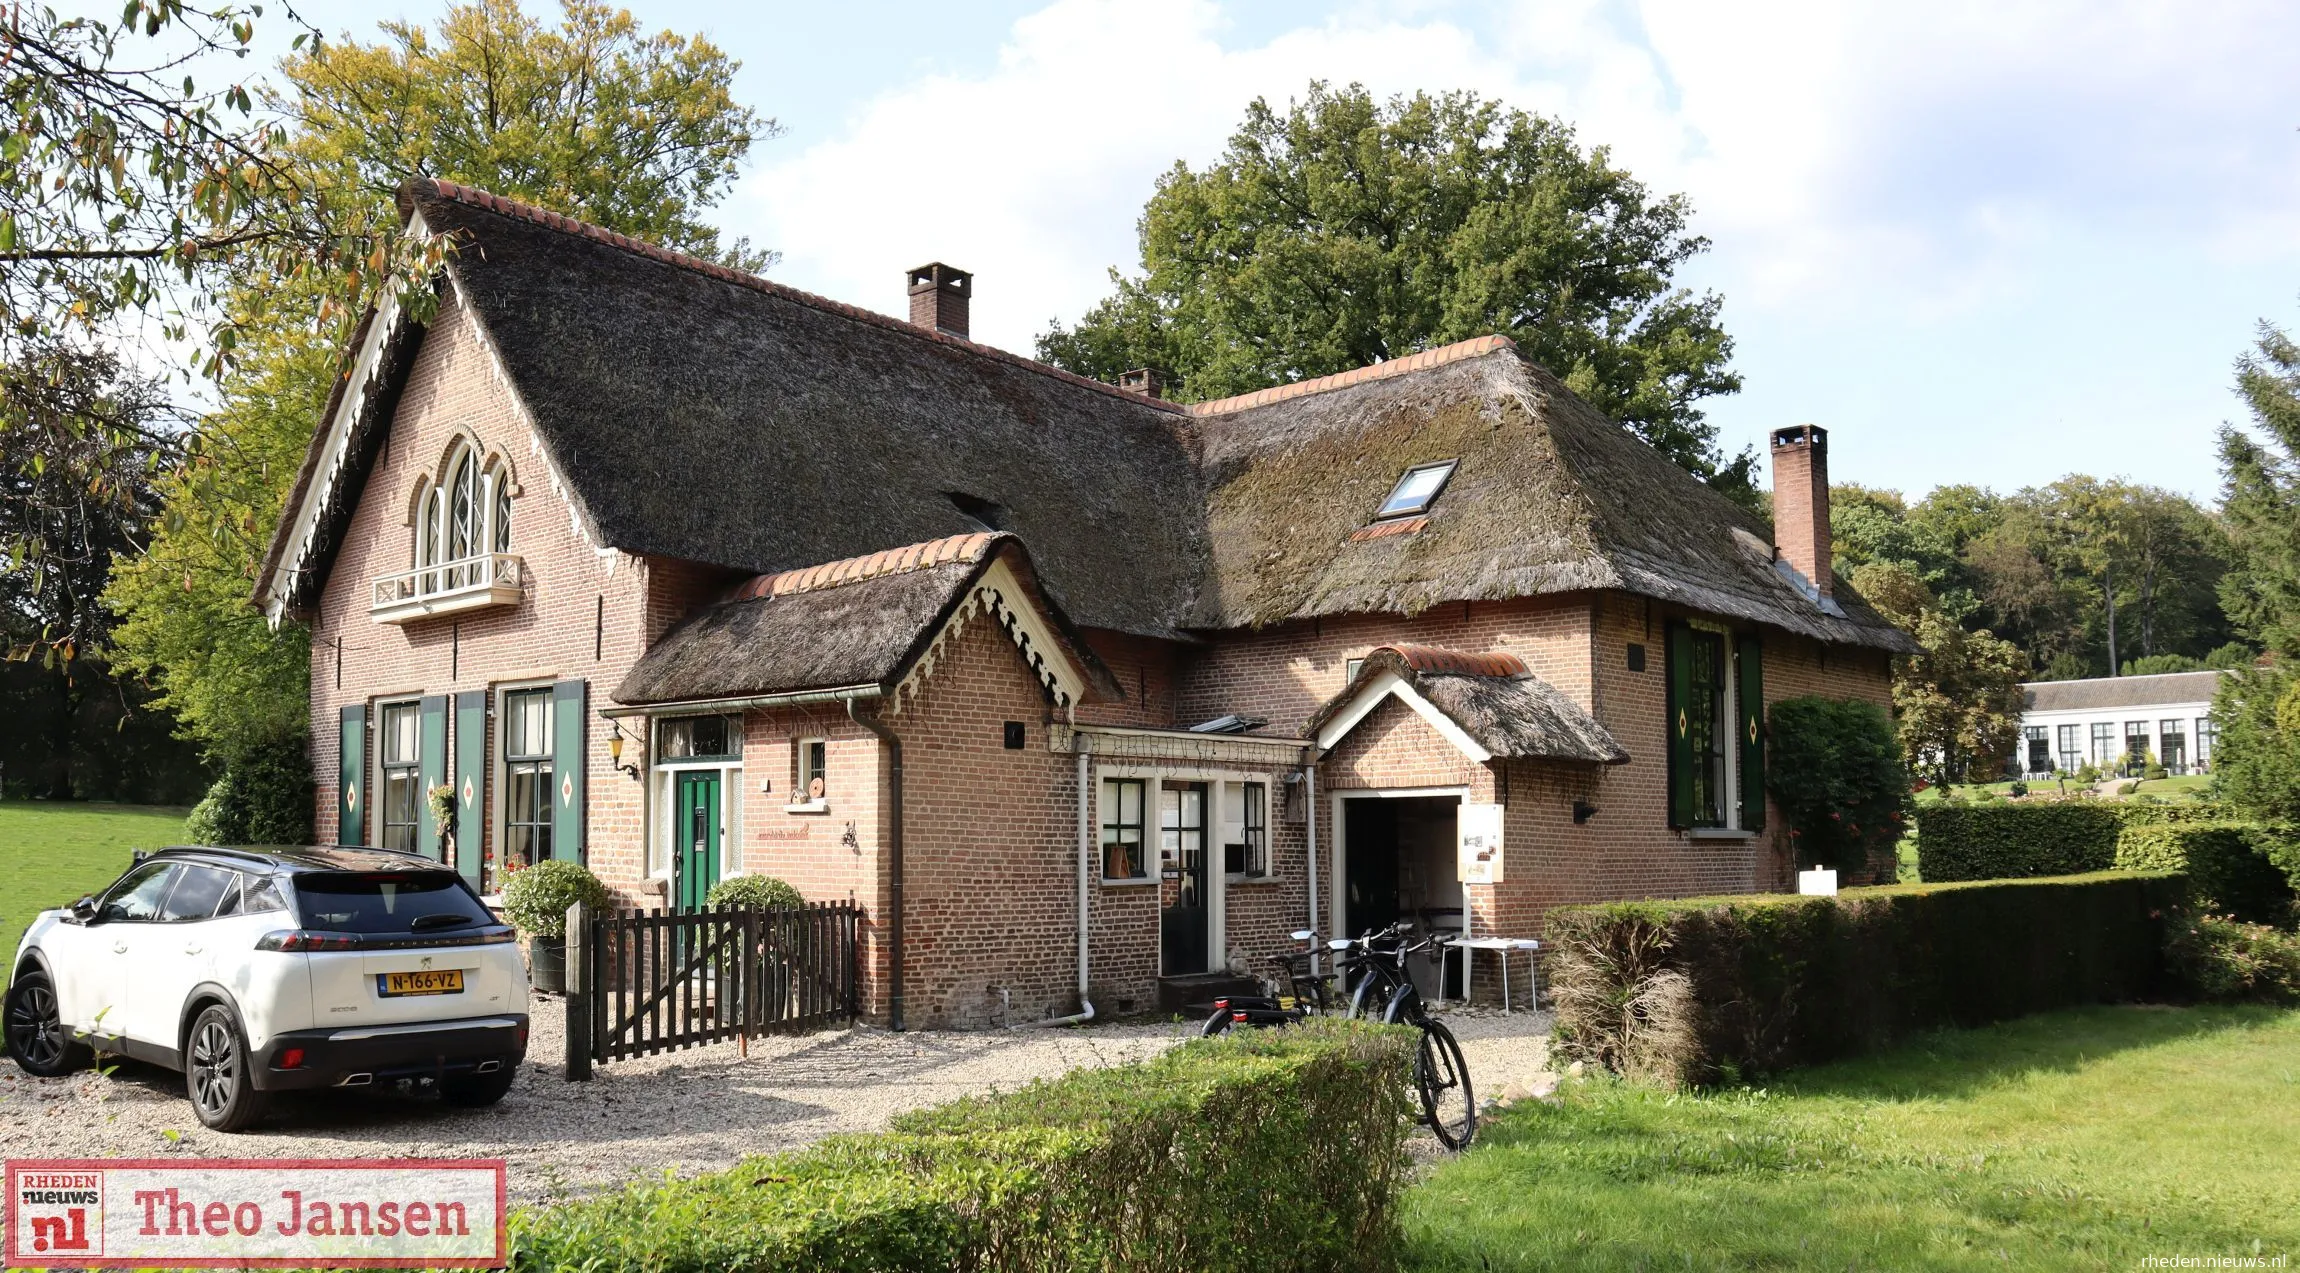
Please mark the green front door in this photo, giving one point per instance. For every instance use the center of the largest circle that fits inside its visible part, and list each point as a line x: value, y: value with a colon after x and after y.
x: 695, y: 840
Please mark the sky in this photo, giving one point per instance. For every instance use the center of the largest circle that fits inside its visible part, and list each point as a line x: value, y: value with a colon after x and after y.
x: 1988, y: 243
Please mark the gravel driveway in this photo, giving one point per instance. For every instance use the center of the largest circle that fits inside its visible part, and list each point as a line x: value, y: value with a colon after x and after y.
x: 684, y: 1112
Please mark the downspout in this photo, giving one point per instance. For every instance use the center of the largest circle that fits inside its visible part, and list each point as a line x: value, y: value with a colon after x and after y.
x: 893, y: 747
x: 1310, y: 796
x: 1085, y: 1011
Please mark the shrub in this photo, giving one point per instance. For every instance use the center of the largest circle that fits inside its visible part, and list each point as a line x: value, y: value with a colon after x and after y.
x: 2018, y: 788
x: 2256, y: 758
x: 753, y: 892
x: 2011, y: 841
x: 536, y: 898
x: 2227, y: 960
x: 1687, y: 991
x: 1834, y: 767
x: 1285, y: 1144
x: 265, y: 796
x: 2224, y: 862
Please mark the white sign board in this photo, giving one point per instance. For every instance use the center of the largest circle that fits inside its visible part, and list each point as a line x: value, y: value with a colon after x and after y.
x: 1480, y: 845
x: 1817, y: 883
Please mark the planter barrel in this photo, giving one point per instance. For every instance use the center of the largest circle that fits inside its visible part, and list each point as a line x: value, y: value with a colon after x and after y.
x: 547, y: 963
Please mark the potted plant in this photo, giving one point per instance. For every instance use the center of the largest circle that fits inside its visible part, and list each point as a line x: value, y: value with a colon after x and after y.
x: 441, y: 800
x: 535, y: 900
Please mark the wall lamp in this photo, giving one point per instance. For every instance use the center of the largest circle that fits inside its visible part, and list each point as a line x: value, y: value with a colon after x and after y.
x: 615, y: 752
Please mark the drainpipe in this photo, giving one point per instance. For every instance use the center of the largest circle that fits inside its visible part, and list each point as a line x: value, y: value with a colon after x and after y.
x: 893, y: 747
x: 1310, y: 795
x: 1085, y: 850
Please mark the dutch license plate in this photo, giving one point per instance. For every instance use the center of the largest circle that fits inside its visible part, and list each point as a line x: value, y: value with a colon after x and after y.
x: 393, y: 984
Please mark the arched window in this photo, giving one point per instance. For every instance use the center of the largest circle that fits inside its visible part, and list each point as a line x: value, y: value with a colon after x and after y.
x: 462, y: 509
x: 500, y: 481
x: 462, y: 517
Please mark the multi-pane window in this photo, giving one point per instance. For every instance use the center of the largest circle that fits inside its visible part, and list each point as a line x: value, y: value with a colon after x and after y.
x: 814, y: 783
x: 2070, y: 756
x: 1247, y: 813
x: 2172, y: 745
x: 402, y: 783
x: 2104, y: 742
x: 2207, y: 734
x: 1704, y: 703
x: 2039, y: 753
x: 1122, y: 827
x: 527, y: 776
x: 2135, y: 744
x: 698, y: 737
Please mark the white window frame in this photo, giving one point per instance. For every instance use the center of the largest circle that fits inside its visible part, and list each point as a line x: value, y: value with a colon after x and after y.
x: 799, y: 803
x: 378, y: 788
x: 1154, y: 777
x: 499, y: 769
x: 663, y: 780
x: 1222, y: 824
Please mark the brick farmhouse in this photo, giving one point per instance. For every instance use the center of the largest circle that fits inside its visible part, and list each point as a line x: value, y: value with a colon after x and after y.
x: 1079, y: 693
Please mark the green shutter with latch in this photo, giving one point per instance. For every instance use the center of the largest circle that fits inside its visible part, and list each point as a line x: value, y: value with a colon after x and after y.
x: 351, y: 764
x: 1678, y: 655
x: 568, y: 730
x: 1749, y: 695
x: 431, y: 759
x: 470, y: 782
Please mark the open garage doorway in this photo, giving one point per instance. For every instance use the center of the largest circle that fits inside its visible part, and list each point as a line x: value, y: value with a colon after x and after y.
x: 1398, y: 860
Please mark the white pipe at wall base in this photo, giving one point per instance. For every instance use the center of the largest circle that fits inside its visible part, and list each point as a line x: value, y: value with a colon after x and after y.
x: 1310, y: 795
x: 1085, y: 854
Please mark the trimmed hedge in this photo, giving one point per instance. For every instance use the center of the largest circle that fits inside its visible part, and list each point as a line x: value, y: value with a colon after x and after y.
x: 1703, y: 989
x: 2028, y: 839
x: 2228, y: 864
x: 1286, y: 1144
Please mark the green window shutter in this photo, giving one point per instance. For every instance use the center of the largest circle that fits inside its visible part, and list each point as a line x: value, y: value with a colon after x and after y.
x: 568, y: 730
x: 1749, y: 693
x: 1678, y: 655
x: 470, y: 782
x: 351, y: 784
x: 431, y: 758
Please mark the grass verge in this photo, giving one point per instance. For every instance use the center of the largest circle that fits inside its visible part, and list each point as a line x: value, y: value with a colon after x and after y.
x: 2087, y: 1139
x: 53, y: 851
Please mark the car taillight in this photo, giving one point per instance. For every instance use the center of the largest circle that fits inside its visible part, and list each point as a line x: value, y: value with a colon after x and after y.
x: 291, y: 1059
x: 297, y: 939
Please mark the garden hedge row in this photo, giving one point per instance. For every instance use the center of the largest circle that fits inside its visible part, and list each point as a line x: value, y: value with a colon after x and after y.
x: 1285, y: 1144
x: 2026, y: 839
x: 2229, y: 864
x: 1698, y: 990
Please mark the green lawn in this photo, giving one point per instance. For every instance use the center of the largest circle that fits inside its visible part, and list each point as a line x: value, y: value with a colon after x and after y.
x: 2077, y: 1140
x: 52, y: 852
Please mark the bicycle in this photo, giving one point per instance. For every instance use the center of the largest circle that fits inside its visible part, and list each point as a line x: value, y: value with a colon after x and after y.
x: 1312, y: 993
x: 1441, y: 1072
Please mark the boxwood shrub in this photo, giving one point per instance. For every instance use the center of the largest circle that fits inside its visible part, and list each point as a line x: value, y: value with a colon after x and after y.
x: 2024, y: 839
x: 1694, y: 991
x: 1286, y: 1144
x: 2227, y: 863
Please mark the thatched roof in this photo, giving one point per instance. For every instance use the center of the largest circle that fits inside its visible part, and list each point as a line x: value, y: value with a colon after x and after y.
x: 1494, y: 698
x: 707, y: 415
x: 863, y: 621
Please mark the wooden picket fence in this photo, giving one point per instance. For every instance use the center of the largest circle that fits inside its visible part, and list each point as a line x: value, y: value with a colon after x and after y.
x: 641, y: 982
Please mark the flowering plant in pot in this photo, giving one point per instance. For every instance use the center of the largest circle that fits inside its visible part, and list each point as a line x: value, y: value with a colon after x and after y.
x: 535, y: 900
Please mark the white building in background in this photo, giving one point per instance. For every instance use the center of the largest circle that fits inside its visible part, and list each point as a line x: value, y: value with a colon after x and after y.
x: 2112, y: 721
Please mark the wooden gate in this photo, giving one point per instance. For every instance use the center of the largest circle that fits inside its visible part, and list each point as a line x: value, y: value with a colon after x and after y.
x: 640, y: 982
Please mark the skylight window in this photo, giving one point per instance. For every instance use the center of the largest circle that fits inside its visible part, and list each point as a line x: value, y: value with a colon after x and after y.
x: 1416, y: 490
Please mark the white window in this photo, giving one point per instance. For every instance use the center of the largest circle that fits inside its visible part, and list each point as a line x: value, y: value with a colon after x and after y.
x: 1246, y: 829
x: 1122, y: 829
x: 814, y: 782
x: 465, y: 514
x: 399, y: 758
x: 527, y: 775
x: 1417, y: 490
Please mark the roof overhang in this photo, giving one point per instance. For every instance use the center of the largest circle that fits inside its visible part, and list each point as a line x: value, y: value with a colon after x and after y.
x: 1385, y: 685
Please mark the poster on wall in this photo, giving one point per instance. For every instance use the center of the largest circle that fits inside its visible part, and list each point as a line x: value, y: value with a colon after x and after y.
x: 1480, y: 848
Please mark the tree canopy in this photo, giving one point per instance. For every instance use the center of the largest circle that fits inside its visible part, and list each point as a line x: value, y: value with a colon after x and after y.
x: 1345, y: 231
x: 1957, y: 701
x: 2261, y: 497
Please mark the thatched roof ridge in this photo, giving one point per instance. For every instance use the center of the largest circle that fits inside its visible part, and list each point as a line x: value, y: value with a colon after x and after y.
x: 1510, y: 712
x: 1422, y: 361
x: 862, y: 621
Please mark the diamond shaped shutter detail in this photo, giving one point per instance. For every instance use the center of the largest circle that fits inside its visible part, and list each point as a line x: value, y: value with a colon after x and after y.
x: 568, y: 701
x: 1678, y: 657
x: 351, y: 780
x: 470, y: 783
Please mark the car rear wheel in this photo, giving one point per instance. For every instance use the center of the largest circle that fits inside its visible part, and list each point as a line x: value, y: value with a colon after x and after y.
x: 472, y: 1091
x: 37, y: 1037
x: 218, y: 1072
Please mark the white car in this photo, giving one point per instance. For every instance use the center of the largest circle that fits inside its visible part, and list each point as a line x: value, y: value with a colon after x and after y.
x: 260, y: 970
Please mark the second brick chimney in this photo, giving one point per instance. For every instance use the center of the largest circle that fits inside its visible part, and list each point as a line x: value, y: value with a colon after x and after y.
x: 939, y: 295
x: 1801, y: 503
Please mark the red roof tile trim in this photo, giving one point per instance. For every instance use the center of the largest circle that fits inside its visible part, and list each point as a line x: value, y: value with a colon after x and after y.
x: 1383, y: 530
x: 1427, y: 358
x: 891, y: 561
x: 568, y: 225
x: 1429, y: 658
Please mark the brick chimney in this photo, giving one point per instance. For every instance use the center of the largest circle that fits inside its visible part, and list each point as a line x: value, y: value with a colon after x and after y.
x: 1144, y: 381
x: 1801, y: 503
x: 938, y: 298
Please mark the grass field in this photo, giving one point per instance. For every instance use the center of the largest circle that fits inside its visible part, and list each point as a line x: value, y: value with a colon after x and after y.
x: 2077, y: 1140
x: 51, y: 853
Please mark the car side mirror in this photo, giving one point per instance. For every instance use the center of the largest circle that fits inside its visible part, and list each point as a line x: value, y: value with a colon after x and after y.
x: 84, y: 910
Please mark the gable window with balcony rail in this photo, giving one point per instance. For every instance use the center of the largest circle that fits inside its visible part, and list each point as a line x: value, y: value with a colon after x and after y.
x: 462, y: 558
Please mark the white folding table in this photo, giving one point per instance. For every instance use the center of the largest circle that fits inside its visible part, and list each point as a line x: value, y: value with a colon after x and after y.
x: 1501, y: 946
